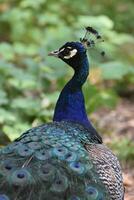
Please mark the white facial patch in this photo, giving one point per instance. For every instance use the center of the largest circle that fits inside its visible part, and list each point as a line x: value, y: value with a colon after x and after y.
x: 71, y: 54
x: 62, y: 50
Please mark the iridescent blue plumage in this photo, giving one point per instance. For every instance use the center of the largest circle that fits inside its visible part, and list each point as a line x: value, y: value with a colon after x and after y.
x: 71, y: 105
x: 65, y: 159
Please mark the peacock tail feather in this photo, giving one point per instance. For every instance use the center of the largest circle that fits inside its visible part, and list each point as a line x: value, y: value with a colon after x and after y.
x: 54, y: 161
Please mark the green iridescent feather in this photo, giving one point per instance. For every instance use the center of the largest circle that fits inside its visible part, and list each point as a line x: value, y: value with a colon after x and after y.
x: 50, y: 162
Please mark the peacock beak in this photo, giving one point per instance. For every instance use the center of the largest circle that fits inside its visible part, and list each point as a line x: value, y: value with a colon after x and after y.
x: 54, y: 53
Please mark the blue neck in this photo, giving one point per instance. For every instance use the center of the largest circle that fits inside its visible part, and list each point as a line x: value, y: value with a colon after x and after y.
x: 71, y: 105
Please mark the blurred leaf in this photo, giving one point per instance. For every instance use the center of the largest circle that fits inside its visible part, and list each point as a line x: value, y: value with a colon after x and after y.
x: 119, y: 147
x: 114, y: 70
x: 3, y: 98
x: 29, y: 106
x: 6, y: 116
x: 95, y: 98
x: 15, y: 130
x: 100, y: 22
x: 6, y: 51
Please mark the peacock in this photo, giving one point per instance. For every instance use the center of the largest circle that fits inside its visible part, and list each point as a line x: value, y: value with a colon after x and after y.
x: 64, y: 159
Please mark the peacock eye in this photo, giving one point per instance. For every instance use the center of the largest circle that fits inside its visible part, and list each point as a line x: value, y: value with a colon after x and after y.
x: 69, y: 53
x: 66, y: 52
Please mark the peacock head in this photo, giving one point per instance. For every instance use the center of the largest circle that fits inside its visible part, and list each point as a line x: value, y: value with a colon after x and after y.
x: 72, y: 53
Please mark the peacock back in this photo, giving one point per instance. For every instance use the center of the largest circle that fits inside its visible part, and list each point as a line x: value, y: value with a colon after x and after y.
x: 50, y: 162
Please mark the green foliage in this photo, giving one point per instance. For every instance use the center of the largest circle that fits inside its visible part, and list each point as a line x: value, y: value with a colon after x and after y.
x: 115, y: 70
x: 124, y: 149
x: 30, y: 81
x: 105, y: 98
